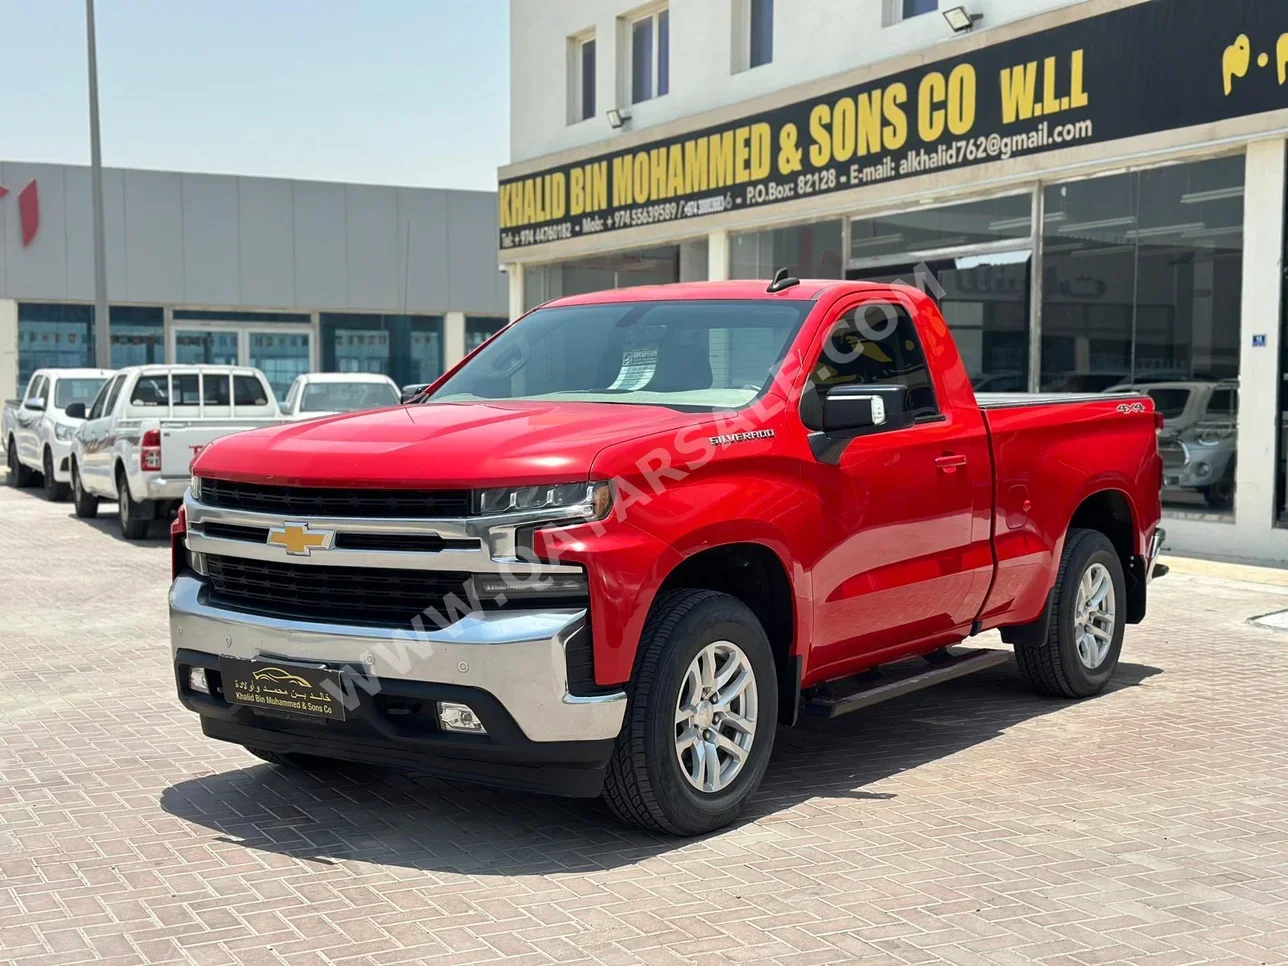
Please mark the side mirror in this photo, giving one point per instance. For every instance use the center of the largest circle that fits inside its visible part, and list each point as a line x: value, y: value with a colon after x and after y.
x: 36, y: 403
x: 75, y: 411
x: 852, y: 409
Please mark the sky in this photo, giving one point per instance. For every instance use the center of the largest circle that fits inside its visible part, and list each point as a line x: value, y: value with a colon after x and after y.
x: 406, y: 92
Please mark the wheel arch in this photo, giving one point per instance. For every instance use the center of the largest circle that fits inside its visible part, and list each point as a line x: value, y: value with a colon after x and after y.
x: 1110, y: 512
x: 756, y: 575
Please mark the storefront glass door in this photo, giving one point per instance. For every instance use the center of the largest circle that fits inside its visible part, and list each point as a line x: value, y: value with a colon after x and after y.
x: 205, y: 347
x: 281, y: 352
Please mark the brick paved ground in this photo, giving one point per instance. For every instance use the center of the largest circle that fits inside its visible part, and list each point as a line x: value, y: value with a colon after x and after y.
x: 968, y: 824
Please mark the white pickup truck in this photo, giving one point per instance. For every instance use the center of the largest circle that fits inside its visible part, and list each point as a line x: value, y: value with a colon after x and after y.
x: 37, y: 430
x: 317, y: 394
x: 147, y: 425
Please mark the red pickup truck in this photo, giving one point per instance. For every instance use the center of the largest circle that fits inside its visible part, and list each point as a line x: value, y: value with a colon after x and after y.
x: 636, y: 531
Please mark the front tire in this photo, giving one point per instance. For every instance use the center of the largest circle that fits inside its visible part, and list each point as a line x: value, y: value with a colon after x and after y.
x: 700, y: 724
x: 86, y: 503
x: 133, y: 515
x: 1088, y: 616
x: 55, y: 492
x: 19, y: 475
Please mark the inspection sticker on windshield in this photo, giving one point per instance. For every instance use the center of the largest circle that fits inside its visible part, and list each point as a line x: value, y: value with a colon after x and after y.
x: 638, y: 366
x: 728, y: 438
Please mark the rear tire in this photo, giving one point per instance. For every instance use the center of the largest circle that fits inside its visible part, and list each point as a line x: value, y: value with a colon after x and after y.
x: 19, y: 475
x: 85, y: 503
x: 134, y: 518
x: 659, y: 760
x: 55, y: 492
x: 1088, y: 616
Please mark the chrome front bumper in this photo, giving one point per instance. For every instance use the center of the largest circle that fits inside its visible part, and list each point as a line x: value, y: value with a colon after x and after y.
x: 515, y: 656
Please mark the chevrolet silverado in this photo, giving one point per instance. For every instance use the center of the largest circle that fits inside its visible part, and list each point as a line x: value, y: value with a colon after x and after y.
x: 638, y: 530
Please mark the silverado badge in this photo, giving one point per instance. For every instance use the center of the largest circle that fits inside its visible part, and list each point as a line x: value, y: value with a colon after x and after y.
x: 298, y: 540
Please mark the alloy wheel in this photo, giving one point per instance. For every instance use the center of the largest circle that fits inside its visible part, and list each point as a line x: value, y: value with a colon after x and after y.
x: 715, y: 716
x: 1094, y: 616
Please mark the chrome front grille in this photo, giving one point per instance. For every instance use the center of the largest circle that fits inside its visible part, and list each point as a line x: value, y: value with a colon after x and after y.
x: 353, y: 595
x: 297, y: 501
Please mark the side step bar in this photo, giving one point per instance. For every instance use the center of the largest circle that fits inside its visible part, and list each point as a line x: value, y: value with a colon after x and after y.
x: 892, y: 680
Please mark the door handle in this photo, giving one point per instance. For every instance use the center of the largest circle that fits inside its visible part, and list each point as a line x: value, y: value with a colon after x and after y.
x: 950, y: 461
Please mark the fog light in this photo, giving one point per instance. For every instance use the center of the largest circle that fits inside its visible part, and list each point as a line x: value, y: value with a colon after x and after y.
x: 459, y: 717
x: 197, y: 680
x: 1203, y: 469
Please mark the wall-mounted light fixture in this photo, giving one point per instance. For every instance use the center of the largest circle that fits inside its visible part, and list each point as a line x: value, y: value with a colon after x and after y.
x: 961, y: 19
x: 617, y: 118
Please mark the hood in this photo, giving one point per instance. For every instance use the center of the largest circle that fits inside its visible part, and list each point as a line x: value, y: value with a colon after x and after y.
x: 438, y: 445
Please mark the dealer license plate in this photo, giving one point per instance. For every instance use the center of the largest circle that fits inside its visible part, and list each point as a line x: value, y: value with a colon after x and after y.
x: 283, y: 686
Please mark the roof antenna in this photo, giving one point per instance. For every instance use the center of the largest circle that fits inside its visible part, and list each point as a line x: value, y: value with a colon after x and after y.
x: 781, y: 281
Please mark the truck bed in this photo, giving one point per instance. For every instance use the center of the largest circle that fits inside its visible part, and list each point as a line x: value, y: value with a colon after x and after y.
x: 1012, y: 400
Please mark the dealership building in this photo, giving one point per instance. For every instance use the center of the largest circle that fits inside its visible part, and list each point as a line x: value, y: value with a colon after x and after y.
x: 287, y: 276
x: 1093, y: 190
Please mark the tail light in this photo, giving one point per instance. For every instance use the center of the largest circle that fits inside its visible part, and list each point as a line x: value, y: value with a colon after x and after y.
x: 1158, y: 421
x: 150, y: 450
x: 178, y: 551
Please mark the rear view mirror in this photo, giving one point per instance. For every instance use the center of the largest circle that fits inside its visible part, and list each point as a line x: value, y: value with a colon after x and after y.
x: 75, y: 410
x: 853, y: 409
x: 36, y: 403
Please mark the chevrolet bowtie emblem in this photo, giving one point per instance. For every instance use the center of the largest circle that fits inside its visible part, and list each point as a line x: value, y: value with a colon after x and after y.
x: 299, y: 540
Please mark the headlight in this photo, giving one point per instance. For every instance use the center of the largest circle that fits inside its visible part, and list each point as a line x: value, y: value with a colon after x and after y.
x: 195, y: 488
x: 64, y: 432
x: 591, y: 499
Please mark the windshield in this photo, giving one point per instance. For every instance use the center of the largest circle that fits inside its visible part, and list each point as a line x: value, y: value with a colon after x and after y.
x: 346, y: 397
x: 1169, y: 402
x: 77, y: 390
x: 688, y: 355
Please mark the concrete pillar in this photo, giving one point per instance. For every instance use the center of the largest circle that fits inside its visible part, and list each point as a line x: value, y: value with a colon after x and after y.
x: 453, y: 338
x: 514, y: 272
x: 8, y: 349
x: 1263, y: 246
x: 718, y: 256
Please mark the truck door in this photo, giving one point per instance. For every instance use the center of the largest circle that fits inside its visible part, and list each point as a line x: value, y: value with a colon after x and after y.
x: 28, y: 418
x: 902, y: 559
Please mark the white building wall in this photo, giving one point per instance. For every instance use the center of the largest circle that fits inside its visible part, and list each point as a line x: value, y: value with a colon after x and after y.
x: 812, y: 39
x: 257, y: 243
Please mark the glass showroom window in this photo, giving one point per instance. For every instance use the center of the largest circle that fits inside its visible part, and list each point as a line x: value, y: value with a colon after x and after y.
x: 976, y: 259
x: 53, y: 336
x: 806, y: 251
x: 1142, y: 282
x: 407, y: 348
x: 478, y: 329
x: 594, y: 273
x: 138, y: 335
x: 650, y: 40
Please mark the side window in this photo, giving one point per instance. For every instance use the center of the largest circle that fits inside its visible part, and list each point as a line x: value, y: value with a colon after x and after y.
x: 1223, y: 403
x: 35, y: 389
x: 42, y: 393
x: 249, y: 391
x: 152, y: 389
x: 113, y: 390
x: 96, y: 407
x: 290, y: 397
x: 185, y: 389
x: 877, y: 344
x: 214, y: 389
